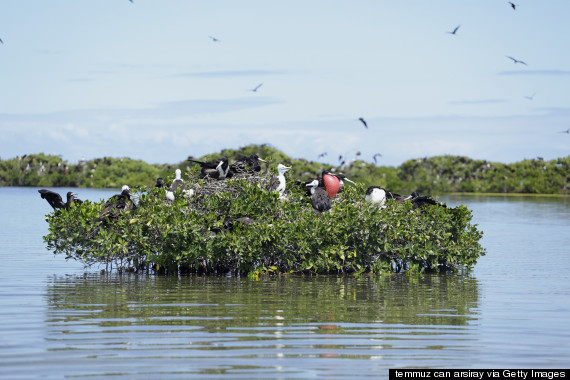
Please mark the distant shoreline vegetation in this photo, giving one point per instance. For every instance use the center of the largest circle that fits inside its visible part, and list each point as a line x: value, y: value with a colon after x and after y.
x: 433, y: 175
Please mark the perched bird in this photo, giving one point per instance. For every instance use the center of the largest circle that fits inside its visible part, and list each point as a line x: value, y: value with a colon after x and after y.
x: 214, y: 169
x: 454, y: 30
x: 330, y: 182
x: 363, y: 122
x: 419, y: 201
x: 117, y: 204
x: 376, y: 195
x: 178, y: 184
x: 513, y: 5
x: 55, y: 201
x: 159, y: 182
x: 516, y: 60
x: 214, y: 39
x: 278, y: 183
x: 341, y: 178
x: 376, y: 155
x: 256, y: 87
x: 246, y: 164
x: 320, y: 199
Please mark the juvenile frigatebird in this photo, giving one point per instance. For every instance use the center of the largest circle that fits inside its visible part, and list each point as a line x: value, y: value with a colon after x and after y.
x: 320, y: 199
x: 376, y: 195
x: 178, y: 184
x: 278, y: 183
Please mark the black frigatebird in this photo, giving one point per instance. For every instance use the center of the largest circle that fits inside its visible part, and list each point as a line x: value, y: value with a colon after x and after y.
x: 256, y: 87
x: 376, y: 155
x: 513, y: 5
x: 454, y: 30
x: 218, y: 168
x: 363, y: 122
x: 320, y: 199
x: 55, y: 201
x: 246, y: 164
x: 516, y: 60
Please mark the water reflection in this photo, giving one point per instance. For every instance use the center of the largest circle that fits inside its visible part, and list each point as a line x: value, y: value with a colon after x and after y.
x: 233, y: 325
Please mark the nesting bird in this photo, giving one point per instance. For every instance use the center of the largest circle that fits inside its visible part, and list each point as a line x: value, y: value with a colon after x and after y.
x: 278, y: 183
x: 117, y: 204
x: 331, y: 183
x: 214, y: 169
x: 246, y: 164
x: 341, y: 178
x: 178, y: 184
x: 376, y: 195
x: 320, y: 199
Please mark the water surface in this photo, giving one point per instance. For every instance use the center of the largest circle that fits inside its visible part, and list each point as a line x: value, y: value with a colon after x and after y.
x: 60, y: 320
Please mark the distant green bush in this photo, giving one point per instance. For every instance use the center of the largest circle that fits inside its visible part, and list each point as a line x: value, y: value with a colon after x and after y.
x: 435, y: 175
x: 207, y: 233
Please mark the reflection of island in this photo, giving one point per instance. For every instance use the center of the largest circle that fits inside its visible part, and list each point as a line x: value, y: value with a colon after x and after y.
x: 221, y: 302
x: 162, y: 327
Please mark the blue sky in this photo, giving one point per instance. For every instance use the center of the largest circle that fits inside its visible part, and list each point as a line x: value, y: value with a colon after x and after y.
x: 98, y: 78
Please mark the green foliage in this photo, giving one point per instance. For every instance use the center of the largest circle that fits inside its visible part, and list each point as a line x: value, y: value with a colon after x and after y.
x: 440, y: 174
x: 207, y: 233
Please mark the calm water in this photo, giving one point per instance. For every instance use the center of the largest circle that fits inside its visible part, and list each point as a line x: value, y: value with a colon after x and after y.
x: 59, y: 320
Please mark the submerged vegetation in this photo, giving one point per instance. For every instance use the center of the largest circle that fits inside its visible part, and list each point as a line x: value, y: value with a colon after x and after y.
x: 439, y: 174
x: 238, y: 226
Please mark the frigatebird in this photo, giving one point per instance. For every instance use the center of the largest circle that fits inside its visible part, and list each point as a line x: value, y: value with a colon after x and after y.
x: 341, y: 178
x: 530, y: 97
x: 376, y: 195
x: 214, y: 39
x: 516, y: 60
x: 55, y: 201
x: 376, y: 155
x: 256, y: 88
x: 218, y: 168
x: 246, y: 164
x: 363, y: 122
x: 513, y: 5
x: 320, y: 199
x: 454, y: 30
x: 278, y: 183
x: 117, y: 204
x: 566, y: 131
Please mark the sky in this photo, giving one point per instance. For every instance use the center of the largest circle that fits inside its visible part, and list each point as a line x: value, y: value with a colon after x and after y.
x: 146, y: 80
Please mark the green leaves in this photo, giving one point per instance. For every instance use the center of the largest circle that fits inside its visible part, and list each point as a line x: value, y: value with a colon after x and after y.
x: 238, y: 226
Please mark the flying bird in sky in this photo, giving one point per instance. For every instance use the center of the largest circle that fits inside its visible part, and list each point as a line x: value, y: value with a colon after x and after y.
x: 376, y: 155
x: 213, y: 38
x: 1, y: 42
x: 513, y: 5
x: 454, y: 30
x: 516, y: 60
x: 363, y: 122
x: 256, y: 87
x: 322, y: 154
x: 530, y: 97
x: 566, y: 131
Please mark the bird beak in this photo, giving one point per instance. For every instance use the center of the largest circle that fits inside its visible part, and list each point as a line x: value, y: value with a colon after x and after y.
x: 219, y: 165
x: 262, y: 160
x: 346, y: 179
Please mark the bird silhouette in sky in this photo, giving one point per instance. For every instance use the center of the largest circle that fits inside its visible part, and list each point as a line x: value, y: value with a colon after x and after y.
x: 516, y: 60
x: 322, y: 154
x: 376, y: 155
x: 454, y: 30
x: 566, y: 131
x: 256, y: 87
x: 530, y: 97
x: 132, y: 1
x: 214, y: 39
x: 513, y: 5
x: 1, y: 42
x: 363, y: 122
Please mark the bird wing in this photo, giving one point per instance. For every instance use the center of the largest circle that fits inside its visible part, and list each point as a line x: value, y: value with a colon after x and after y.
x: 363, y: 122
